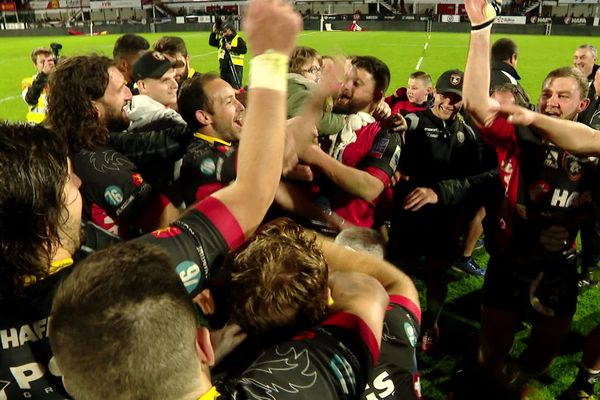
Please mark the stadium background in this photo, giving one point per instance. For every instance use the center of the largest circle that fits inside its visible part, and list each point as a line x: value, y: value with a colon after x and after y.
x: 402, y: 51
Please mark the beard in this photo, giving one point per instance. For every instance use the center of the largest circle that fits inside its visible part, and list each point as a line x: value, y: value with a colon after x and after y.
x: 116, y: 123
x: 71, y: 236
x: 344, y: 108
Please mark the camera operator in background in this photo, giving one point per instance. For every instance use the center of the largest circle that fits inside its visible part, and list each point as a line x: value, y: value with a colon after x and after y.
x: 231, y: 52
x: 35, y: 88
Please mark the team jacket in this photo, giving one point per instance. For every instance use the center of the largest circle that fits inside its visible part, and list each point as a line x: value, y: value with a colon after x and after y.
x: 544, y: 186
x: 195, y: 244
x: 209, y: 164
x: 589, y: 116
x: 502, y: 73
x: 443, y: 155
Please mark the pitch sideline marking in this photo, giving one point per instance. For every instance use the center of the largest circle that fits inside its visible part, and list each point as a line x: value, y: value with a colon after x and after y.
x: 9, y: 98
x: 425, y: 46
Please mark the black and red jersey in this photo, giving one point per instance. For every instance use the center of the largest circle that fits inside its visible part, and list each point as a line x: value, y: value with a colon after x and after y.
x: 544, y: 186
x: 330, y: 361
x: 396, y: 377
x: 115, y: 195
x: 197, y: 241
x: 377, y: 152
x: 207, y: 167
x: 195, y: 244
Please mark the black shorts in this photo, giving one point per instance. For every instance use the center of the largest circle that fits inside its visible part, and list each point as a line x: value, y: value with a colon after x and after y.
x: 422, y: 233
x: 507, y: 287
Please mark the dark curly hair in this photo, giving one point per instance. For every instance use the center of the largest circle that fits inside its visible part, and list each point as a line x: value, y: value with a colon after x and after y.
x: 33, y: 172
x: 73, y: 85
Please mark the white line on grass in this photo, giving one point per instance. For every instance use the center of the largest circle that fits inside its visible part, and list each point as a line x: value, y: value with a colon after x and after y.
x: 9, y: 98
x: 425, y: 46
x: 419, y: 64
x: 204, y: 54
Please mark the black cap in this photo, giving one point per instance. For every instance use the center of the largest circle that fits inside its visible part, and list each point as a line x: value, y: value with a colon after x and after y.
x: 153, y: 64
x: 450, y: 82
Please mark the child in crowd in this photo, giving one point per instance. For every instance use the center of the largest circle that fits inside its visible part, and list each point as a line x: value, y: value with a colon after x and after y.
x: 416, y: 96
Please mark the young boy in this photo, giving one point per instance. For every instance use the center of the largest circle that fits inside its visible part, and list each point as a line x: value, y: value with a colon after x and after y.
x: 415, y: 97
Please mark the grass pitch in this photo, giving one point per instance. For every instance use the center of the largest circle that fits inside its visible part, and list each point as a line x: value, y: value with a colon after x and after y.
x: 402, y: 51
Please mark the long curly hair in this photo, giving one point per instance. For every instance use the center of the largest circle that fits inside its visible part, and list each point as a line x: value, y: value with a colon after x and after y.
x: 73, y: 85
x: 33, y: 172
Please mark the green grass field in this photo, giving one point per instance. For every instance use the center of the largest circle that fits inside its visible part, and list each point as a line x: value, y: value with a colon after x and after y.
x: 401, y: 51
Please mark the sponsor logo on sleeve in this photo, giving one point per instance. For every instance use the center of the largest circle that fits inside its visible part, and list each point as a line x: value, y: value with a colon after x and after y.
x: 168, y: 232
x: 207, y: 166
x: 190, y: 274
x: 113, y: 195
x: 395, y: 159
x: 379, y: 148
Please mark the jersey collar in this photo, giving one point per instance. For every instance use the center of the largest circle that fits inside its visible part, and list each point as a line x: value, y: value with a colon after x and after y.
x: 210, y: 395
x: 211, y: 139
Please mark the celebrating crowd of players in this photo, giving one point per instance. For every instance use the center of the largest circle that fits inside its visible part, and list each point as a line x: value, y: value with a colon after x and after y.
x: 157, y: 226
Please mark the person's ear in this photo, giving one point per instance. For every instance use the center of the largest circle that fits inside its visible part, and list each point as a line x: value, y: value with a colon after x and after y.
x: 583, y: 105
x: 206, y: 302
x: 141, y: 85
x: 203, y: 117
x: 99, y: 106
x: 204, y: 346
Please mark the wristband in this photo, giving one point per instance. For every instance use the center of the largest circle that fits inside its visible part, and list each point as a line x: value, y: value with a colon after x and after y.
x: 269, y: 71
x: 490, y: 15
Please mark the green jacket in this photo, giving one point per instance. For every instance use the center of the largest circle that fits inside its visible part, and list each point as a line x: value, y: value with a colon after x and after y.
x: 299, y: 89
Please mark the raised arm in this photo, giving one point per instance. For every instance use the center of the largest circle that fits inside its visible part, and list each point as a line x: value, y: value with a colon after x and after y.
x: 574, y: 137
x: 272, y: 27
x: 476, y: 85
x: 394, y: 281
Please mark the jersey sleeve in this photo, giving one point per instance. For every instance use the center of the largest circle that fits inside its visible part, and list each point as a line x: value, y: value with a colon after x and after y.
x: 111, y: 181
x: 499, y: 134
x: 396, y: 374
x: 205, y: 172
x: 384, y: 156
x: 331, y: 361
x: 198, y: 241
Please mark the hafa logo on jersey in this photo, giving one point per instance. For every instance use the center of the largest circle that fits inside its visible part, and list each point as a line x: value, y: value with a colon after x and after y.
x: 207, y: 166
x: 113, y: 195
x: 572, y: 167
x: 169, y: 231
